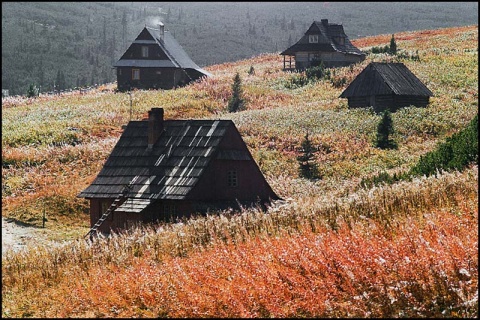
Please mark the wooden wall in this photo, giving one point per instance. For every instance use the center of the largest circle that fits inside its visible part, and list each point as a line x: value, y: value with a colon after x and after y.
x: 382, y: 102
x: 151, y: 78
x: 330, y: 59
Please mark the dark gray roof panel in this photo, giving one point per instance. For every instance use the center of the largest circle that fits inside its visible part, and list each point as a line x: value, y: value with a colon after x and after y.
x: 175, y: 51
x: 386, y: 78
x: 177, y: 57
x: 327, y: 43
x: 170, y: 169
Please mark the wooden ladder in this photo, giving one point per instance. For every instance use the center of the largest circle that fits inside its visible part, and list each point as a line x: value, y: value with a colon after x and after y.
x: 121, y: 196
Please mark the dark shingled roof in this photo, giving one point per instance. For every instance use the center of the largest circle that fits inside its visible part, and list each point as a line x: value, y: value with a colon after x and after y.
x: 168, y: 170
x: 177, y: 57
x: 326, y: 41
x: 384, y: 79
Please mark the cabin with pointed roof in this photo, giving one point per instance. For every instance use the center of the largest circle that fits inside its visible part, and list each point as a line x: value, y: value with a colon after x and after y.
x: 323, y: 41
x: 174, y: 169
x: 155, y: 60
x: 383, y: 85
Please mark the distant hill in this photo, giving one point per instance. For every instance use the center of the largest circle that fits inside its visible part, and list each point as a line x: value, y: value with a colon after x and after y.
x: 71, y: 44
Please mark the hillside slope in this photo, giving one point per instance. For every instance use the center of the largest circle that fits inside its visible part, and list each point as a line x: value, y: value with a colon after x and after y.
x: 410, y: 249
x: 52, y: 147
x: 41, y: 41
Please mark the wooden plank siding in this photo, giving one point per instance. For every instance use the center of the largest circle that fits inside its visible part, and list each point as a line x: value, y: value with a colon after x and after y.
x: 151, y: 78
x: 190, y: 165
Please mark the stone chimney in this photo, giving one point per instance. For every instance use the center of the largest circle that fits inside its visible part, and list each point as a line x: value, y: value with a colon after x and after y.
x: 155, y: 125
x: 325, y: 22
x: 161, y: 28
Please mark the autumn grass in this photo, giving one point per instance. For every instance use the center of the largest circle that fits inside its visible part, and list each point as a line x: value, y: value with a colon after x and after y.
x: 408, y: 249
x: 53, y: 147
x: 65, y: 139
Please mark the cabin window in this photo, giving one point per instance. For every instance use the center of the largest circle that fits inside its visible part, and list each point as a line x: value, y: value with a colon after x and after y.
x: 232, y: 178
x: 135, y: 74
x: 158, y: 72
x: 144, y: 52
x: 313, y: 38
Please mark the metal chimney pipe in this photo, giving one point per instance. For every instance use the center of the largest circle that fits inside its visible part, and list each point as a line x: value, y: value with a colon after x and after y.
x: 162, y: 29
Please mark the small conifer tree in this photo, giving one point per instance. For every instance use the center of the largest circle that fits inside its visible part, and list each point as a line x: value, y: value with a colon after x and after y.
x: 236, y: 102
x: 32, y: 91
x: 384, y: 131
x: 393, y: 46
x: 307, y: 167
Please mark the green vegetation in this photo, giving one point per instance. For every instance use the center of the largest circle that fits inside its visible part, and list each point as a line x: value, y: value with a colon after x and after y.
x: 307, y: 167
x: 384, y: 132
x: 393, y: 46
x: 390, y: 49
x: 236, y: 102
x: 32, y: 91
x: 83, y: 40
x: 331, y: 248
x: 457, y: 152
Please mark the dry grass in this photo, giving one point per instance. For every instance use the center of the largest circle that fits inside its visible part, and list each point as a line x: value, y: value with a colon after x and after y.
x: 331, y: 250
x: 410, y: 248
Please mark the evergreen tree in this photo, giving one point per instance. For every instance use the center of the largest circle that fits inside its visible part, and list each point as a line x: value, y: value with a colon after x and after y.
x: 236, y: 102
x: 307, y: 167
x: 32, y: 91
x: 384, y: 130
x: 393, y: 46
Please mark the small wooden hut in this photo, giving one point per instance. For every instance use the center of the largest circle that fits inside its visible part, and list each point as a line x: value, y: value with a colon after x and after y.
x: 161, y: 170
x: 155, y: 60
x: 386, y: 85
x: 322, y: 41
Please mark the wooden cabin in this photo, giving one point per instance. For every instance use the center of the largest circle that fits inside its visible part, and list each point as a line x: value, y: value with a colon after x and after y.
x: 386, y: 85
x: 168, y: 169
x: 155, y: 60
x: 323, y: 41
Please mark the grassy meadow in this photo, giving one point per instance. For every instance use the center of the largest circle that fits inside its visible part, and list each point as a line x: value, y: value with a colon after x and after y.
x: 331, y: 249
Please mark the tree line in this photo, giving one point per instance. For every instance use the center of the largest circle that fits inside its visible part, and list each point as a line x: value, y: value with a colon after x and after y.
x: 83, y: 40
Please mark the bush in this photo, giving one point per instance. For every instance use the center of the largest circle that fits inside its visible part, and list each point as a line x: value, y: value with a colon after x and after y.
x: 296, y: 82
x: 32, y: 91
x: 317, y: 71
x: 457, y: 152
